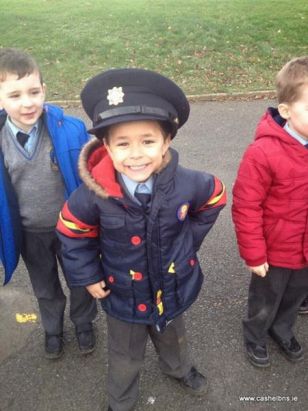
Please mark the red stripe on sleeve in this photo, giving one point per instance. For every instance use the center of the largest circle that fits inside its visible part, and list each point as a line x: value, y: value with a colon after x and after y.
x: 72, y: 227
x: 218, y: 197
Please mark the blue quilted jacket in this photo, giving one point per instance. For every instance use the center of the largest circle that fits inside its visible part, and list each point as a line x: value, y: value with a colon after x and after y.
x: 68, y: 135
x: 147, y: 259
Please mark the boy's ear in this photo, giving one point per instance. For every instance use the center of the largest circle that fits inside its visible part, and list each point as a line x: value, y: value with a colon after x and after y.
x: 283, y: 110
x: 44, y: 88
x: 106, y: 146
x: 167, y: 143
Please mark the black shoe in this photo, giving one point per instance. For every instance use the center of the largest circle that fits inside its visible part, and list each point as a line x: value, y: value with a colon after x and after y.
x: 86, y: 340
x: 53, y: 346
x: 257, y: 354
x: 194, y: 382
x: 303, y: 309
x: 291, y: 349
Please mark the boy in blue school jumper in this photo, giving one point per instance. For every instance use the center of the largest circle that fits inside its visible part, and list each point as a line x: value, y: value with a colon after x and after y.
x: 131, y: 232
x: 39, y: 148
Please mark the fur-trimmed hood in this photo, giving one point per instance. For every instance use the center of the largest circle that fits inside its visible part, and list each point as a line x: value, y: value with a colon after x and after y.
x: 98, y: 173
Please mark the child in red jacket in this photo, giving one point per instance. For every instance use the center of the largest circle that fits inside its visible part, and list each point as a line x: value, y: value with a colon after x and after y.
x: 270, y: 213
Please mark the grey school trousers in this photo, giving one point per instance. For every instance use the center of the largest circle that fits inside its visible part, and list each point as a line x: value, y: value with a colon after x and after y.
x: 273, y: 303
x: 126, y: 350
x: 40, y: 252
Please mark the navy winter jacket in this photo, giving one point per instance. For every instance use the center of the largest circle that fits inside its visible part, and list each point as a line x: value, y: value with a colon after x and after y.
x: 68, y: 135
x: 148, y: 260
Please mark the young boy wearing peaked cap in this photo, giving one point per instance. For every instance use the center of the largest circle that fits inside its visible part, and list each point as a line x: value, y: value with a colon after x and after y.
x: 270, y: 213
x: 131, y: 232
x: 39, y: 148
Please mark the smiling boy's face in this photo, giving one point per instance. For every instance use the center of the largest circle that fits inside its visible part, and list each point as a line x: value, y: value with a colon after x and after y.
x: 22, y: 99
x: 137, y: 148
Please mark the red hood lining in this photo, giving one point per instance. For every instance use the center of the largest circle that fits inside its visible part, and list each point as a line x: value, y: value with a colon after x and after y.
x: 100, y: 166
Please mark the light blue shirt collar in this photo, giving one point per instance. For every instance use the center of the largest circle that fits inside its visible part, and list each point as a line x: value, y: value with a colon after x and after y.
x: 294, y: 134
x: 33, y: 134
x: 131, y: 185
x: 16, y: 129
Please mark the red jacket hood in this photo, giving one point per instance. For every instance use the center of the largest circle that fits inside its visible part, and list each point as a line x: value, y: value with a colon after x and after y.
x: 271, y: 126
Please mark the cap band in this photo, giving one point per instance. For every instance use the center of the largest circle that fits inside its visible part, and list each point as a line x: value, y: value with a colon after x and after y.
x: 122, y: 111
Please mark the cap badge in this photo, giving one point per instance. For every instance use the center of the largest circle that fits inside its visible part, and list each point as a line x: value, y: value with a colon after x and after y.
x: 115, y: 96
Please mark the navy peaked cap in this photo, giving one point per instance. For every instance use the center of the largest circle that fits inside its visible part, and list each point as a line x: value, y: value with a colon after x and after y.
x: 120, y: 95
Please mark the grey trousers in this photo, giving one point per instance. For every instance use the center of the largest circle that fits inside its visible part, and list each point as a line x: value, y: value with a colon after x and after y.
x: 126, y: 350
x: 273, y: 302
x: 41, y: 254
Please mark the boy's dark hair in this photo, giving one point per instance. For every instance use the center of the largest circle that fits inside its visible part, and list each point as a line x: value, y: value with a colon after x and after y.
x: 166, y: 130
x: 291, y: 78
x: 17, y: 62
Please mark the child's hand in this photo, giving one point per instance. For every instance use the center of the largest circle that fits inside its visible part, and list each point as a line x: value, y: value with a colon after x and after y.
x: 98, y: 290
x: 260, y: 270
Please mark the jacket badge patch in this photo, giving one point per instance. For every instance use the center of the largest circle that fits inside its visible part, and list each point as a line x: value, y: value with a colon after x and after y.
x: 182, y: 211
x: 115, y: 96
x: 159, y: 302
x: 171, y: 269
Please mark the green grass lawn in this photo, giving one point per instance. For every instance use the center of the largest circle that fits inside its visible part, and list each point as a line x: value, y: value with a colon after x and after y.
x: 206, y: 46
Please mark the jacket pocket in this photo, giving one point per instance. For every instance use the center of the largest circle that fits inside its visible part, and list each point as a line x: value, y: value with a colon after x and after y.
x: 188, y: 279
x: 112, y: 228
x: 112, y: 222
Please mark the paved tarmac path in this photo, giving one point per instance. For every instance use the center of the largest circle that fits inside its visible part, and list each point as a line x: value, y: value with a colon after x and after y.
x: 213, y: 139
